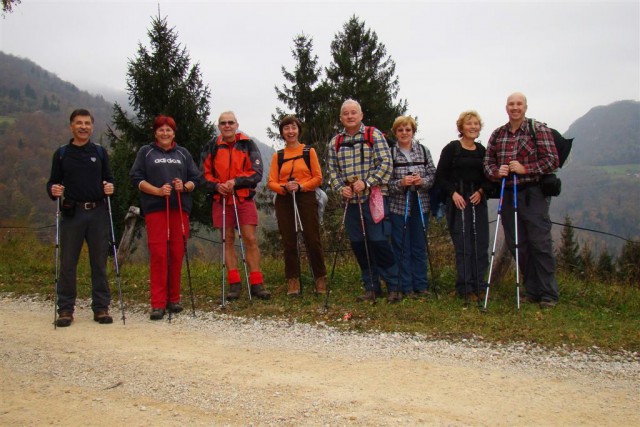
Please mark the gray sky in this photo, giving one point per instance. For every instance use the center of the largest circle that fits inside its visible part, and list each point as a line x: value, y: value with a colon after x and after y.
x: 566, y: 56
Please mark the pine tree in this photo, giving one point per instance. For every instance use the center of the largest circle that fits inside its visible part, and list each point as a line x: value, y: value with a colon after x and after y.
x: 8, y: 5
x: 605, y: 266
x: 160, y: 80
x: 568, y: 253
x: 362, y: 70
x: 629, y: 263
x: 305, y: 96
x: 587, y: 264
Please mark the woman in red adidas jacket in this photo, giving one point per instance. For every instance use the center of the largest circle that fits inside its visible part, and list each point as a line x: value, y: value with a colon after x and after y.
x: 297, y: 175
x: 232, y: 170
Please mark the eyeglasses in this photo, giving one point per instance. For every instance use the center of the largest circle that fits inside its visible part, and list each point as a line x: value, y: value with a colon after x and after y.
x: 228, y: 122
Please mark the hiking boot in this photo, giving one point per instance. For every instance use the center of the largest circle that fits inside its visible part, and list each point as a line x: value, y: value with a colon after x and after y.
x: 548, y: 304
x: 156, y: 314
x: 293, y: 287
x: 174, y: 307
x: 394, y: 297
x: 367, y: 296
x: 234, y: 291
x: 529, y: 300
x: 321, y: 285
x: 64, y: 319
x: 259, y: 291
x: 102, y: 317
x: 422, y: 294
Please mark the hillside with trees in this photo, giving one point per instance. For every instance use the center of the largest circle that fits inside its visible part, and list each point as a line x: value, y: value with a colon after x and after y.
x: 601, y: 180
x: 34, y: 120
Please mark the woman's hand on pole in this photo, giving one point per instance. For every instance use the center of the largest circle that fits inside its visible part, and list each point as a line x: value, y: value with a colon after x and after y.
x: 178, y: 185
x: 165, y: 190
x: 458, y: 200
x: 476, y: 197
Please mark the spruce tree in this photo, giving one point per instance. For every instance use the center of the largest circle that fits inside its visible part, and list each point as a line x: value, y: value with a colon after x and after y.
x: 160, y: 80
x: 629, y: 263
x: 605, y: 266
x: 304, y: 95
x: 568, y: 253
x: 362, y: 70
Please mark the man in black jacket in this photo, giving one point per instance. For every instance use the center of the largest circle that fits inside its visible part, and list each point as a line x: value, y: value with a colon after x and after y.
x: 81, y: 177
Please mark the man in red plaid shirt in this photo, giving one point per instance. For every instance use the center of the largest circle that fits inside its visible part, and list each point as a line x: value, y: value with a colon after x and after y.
x: 513, y: 150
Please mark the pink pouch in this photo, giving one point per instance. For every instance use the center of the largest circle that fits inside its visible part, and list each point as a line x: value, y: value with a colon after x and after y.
x: 376, y: 204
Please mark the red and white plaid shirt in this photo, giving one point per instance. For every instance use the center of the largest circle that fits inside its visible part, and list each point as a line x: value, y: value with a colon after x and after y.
x: 539, y: 156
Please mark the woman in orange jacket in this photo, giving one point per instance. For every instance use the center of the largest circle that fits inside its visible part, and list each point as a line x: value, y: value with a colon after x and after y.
x: 294, y: 176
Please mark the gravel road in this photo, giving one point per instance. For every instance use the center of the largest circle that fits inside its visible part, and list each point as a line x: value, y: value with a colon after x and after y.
x: 220, y: 370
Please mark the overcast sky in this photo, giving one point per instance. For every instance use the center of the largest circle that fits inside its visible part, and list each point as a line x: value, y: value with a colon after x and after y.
x: 566, y: 56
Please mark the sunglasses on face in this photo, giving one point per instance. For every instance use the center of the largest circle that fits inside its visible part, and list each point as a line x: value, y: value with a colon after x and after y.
x: 228, y: 122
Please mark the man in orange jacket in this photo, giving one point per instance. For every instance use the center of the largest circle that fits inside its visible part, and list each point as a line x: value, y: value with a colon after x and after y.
x: 232, y: 167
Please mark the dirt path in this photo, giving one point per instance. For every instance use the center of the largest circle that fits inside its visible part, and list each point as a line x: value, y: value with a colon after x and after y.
x: 214, y: 371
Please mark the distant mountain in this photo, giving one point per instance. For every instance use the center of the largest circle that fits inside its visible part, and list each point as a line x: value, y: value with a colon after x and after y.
x: 601, y: 181
x: 607, y: 135
x: 34, y: 120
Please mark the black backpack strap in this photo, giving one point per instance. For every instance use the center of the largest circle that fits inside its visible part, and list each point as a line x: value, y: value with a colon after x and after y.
x: 306, y: 156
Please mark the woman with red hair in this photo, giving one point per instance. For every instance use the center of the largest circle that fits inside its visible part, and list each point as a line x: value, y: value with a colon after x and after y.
x: 163, y: 172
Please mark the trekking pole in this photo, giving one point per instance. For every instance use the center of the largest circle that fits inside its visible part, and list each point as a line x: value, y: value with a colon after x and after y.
x: 434, y: 287
x: 168, y: 259
x: 475, y: 246
x: 515, y: 216
x: 464, y: 246
x: 366, y: 246
x: 115, y: 258
x: 298, y: 227
x: 495, y: 238
x: 404, y: 233
x: 186, y: 253
x: 244, y: 260
x: 335, y: 257
x: 57, y: 269
x: 224, y: 248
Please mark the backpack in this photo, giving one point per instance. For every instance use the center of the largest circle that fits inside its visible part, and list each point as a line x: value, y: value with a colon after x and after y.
x: 321, y: 196
x: 305, y: 156
x: 563, y: 145
x: 368, y: 138
x: 394, y: 148
x: 550, y: 184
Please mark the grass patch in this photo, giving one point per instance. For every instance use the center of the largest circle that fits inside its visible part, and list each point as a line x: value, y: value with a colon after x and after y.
x: 7, y: 121
x: 589, y: 314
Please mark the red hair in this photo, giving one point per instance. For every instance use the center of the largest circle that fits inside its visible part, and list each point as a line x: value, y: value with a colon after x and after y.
x: 164, y: 120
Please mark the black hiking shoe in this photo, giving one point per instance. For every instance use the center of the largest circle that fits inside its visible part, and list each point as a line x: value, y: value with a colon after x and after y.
x: 156, y: 314
x: 259, y: 291
x: 234, y: 291
x: 174, y: 307
x: 65, y: 318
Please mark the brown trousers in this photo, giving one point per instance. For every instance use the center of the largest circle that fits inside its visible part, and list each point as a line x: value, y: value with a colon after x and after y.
x: 308, y: 209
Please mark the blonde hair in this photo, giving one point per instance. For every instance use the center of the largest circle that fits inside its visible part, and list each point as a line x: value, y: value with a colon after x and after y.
x: 466, y: 115
x: 403, y: 121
